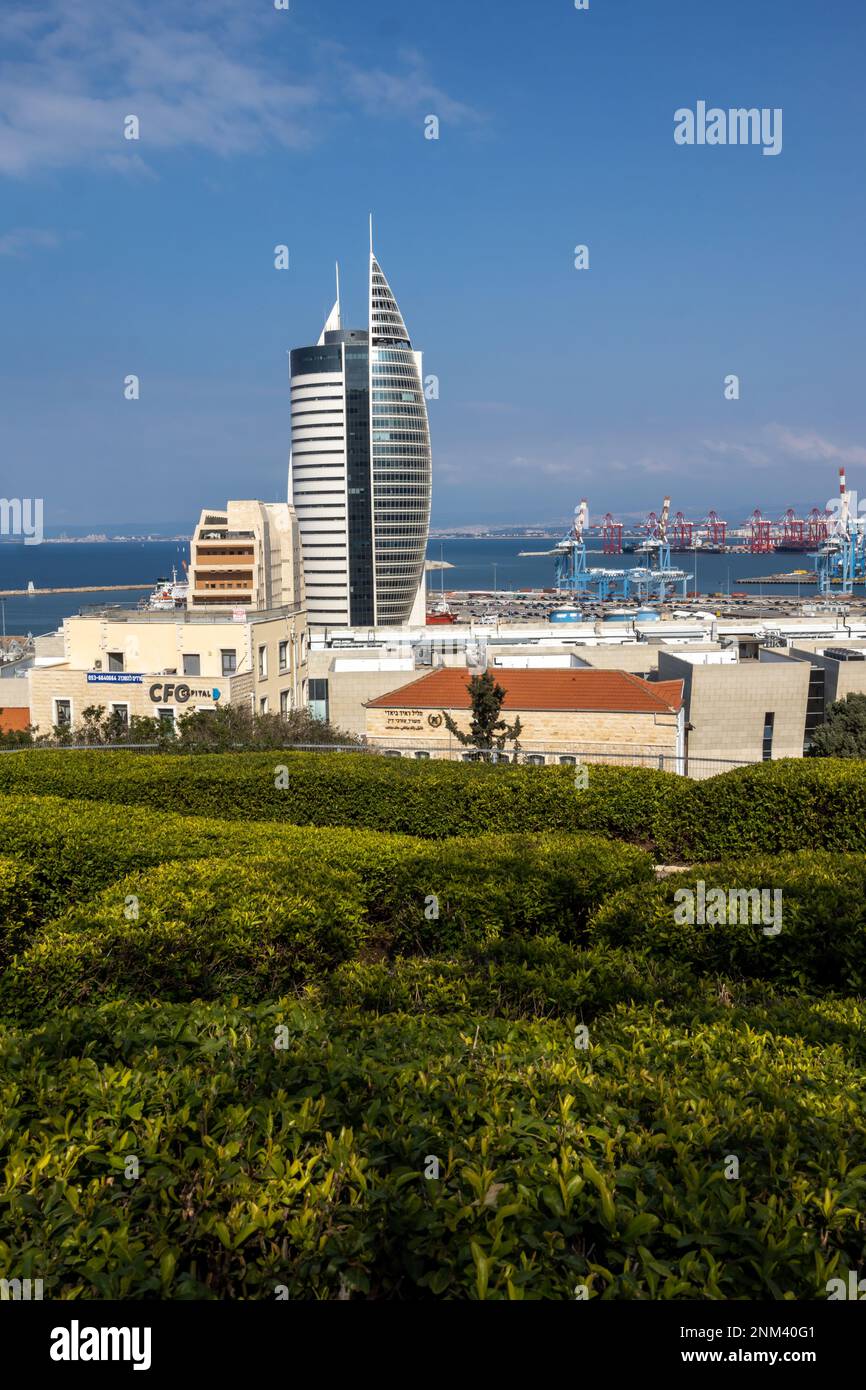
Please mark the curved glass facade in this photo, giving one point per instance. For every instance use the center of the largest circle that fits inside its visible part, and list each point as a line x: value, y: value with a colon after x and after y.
x: 400, y: 454
x: 361, y: 467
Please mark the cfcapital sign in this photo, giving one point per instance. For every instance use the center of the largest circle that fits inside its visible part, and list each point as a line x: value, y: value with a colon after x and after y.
x: 163, y: 691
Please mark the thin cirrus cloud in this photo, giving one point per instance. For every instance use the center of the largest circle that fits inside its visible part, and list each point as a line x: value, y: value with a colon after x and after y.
x: 201, y: 75
x: 814, y: 446
x: 19, y: 241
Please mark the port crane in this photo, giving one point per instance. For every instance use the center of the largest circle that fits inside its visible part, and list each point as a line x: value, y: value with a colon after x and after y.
x: 658, y: 578
x: 841, y: 556
x: 573, y: 576
x: 761, y: 538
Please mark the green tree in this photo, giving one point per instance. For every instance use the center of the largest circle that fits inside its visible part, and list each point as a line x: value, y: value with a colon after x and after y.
x: 843, y: 733
x: 487, y: 729
x: 237, y: 727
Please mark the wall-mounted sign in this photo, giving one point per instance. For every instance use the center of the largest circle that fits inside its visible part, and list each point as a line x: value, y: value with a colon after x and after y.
x: 113, y: 678
x: 408, y: 719
x: 163, y: 691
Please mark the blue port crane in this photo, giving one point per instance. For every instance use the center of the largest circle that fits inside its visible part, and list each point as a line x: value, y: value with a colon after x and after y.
x: 573, y: 575
x: 841, y: 558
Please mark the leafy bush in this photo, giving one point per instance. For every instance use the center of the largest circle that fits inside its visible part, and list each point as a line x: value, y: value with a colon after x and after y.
x: 303, y: 1169
x: 512, y: 978
x: 213, y: 929
x: 769, y: 807
x: 486, y: 886
x: 255, y: 927
x: 434, y: 800
x: 491, y: 883
x: 21, y: 898
x: 843, y: 733
x: 821, y: 944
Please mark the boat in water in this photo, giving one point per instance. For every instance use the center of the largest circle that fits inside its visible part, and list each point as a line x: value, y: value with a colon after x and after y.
x: 168, y: 594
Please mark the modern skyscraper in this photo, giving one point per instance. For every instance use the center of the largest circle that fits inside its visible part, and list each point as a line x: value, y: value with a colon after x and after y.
x: 360, y: 469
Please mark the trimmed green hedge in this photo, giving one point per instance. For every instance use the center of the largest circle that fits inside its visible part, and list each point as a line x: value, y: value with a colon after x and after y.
x: 532, y: 978
x: 434, y: 800
x: 213, y: 929
x: 821, y: 943
x: 769, y: 807
x: 809, y: 803
x: 22, y: 900
x: 256, y: 927
x: 548, y: 881
x: 301, y: 1171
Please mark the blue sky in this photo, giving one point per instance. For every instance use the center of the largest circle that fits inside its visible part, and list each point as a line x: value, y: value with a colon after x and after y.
x: 261, y: 127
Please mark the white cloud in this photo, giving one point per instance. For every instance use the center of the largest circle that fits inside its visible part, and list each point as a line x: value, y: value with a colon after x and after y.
x: 810, y: 445
x: 203, y: 75
x: 20, y: 240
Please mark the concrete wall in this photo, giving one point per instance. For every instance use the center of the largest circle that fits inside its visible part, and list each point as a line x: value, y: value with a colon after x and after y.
x: 726, y: 707
x: 841, y: 678
x: 639, y: 735
x: 349, y: 690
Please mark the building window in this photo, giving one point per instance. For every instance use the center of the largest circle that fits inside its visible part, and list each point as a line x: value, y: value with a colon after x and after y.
x: 263, y: 705
x: 121, y: 714
x: 814, y: 704
x: 166, y: 718
x: 229, y: 662
x: 263, y: 663
x: 284, y: 656
x: 63, y: 714
x: 392, y: 753
x: 285, y: 703
x: 318, y: 699
x: 115, y: 661
x: 568, y: 760
x: 420, y: 753
x: 192, y: 664
x: 769, y: 720
x: 535, y: 759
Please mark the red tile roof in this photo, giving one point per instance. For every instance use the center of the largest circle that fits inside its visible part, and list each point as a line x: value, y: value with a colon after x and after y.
x: 568, y: 689
x: 13, y: 718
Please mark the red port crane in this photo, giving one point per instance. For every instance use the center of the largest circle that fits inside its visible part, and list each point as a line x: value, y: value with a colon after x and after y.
x: 817, y: 522
x: 611, y: 535
x: 682, y: 534
x: 716, y: 529
x: 761, y: 542
x: 793, y: 535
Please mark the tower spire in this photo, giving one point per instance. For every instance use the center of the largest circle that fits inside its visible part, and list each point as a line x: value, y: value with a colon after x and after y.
x: 371, y: 235
x: 333, y: 320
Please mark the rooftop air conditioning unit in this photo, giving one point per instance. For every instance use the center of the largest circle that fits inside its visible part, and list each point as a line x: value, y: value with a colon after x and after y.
x: 844, y: 654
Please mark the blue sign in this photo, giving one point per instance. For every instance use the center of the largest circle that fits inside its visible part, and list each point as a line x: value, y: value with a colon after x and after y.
x: 112, y: 678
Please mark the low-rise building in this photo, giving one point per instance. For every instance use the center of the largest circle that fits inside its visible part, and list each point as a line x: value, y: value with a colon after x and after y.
x: 166, y: 663
x: 564, y: 714
x: 739, y: 712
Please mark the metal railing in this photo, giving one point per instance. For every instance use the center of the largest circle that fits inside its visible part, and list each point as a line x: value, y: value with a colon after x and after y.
x: 696, y: 768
